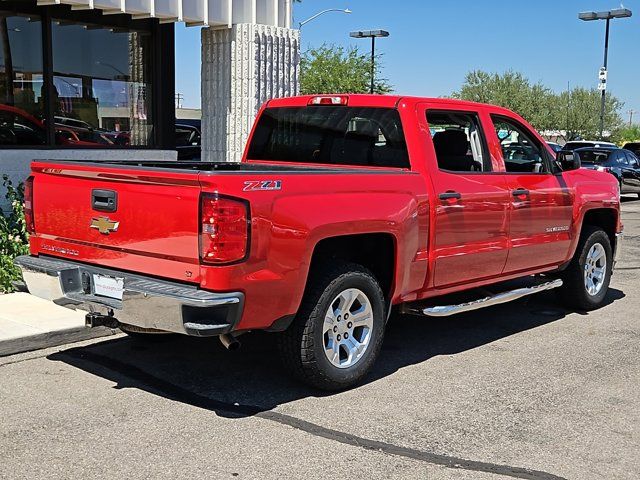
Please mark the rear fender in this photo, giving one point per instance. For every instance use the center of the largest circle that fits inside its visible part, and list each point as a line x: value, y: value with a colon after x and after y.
x: 342, y: 215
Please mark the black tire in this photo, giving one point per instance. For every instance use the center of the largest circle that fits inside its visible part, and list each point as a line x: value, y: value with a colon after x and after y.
x: 574, y: 292
x: 146, y: 336
x: 302, y: 344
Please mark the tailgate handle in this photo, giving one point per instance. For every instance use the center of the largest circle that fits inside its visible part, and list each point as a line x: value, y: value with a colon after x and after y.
x: 104, y: 200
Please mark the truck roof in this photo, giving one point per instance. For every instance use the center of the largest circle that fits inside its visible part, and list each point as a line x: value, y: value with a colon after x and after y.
x: 367, y: 100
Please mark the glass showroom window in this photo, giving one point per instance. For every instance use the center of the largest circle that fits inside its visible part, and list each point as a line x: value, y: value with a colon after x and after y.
x: 21, y: 81
x: 102, y: 85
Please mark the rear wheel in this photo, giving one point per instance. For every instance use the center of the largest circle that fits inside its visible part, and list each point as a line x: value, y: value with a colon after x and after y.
x: 586, y: 279
x: 338, y: 331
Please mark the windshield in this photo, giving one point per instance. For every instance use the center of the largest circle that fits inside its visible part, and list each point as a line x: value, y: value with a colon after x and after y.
x: 336, y: 135
x: 633, y: 146
x: 593, y: 156
x: 574, y: 145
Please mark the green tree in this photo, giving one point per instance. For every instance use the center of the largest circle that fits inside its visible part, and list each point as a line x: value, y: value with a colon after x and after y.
x: 511, y: 90
x: 334, y: 69
x: 627, y: 133
x: 575, y: 113
x: 578, y: 113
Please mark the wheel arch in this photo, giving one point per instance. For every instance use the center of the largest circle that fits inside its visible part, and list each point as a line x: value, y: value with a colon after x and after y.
x: 606, y: 218
x: 374, y: 251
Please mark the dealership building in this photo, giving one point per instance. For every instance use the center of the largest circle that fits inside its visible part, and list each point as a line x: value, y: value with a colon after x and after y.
x: 95, y: 79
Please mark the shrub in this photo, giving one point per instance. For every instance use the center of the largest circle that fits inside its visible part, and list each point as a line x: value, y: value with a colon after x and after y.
x: 14, y: 239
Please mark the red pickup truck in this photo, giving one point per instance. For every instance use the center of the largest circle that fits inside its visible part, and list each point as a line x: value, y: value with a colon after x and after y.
x: 344, y: 207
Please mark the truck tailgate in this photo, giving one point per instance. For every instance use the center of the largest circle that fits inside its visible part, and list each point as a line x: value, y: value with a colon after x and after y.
x: 152, y: 228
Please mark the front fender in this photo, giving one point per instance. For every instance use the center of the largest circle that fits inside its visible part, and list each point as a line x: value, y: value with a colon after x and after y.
x: 594, y: 190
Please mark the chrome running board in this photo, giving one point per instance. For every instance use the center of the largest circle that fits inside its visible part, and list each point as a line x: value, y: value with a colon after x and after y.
x: 497, y: 299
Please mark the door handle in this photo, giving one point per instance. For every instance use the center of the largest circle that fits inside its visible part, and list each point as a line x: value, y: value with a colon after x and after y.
x: 449, y: 196
x: 520, y: 192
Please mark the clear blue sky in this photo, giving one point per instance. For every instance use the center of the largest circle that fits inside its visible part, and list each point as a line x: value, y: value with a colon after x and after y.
x: 434, y: 43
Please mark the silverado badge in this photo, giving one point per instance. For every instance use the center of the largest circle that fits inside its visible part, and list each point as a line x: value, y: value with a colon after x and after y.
x: 104, y: 225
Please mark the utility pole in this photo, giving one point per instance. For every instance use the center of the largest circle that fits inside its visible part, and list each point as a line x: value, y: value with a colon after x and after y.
x: 179, y: 99
x: 631, y: 112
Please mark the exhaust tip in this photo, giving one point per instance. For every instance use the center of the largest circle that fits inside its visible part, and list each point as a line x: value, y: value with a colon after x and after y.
x: 229, y: 342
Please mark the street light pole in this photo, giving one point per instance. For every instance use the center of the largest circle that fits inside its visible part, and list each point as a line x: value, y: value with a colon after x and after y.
x: 373, y: 64
x: 608, y: 16
x: 371, y: 34
x: 603, y: 100
x: 313, y: 17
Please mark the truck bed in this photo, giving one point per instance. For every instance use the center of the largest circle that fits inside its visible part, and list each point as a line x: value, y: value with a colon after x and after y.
x: 227, y: 167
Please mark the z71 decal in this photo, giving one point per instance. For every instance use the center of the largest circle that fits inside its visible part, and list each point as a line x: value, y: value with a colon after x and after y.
x: 262, y: 185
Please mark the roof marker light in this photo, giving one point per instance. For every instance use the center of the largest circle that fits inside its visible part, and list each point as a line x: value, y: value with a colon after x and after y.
x: 329, y: 100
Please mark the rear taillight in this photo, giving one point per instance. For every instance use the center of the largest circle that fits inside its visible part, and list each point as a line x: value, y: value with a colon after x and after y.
x: 28, y: 206
x: 224, y: 229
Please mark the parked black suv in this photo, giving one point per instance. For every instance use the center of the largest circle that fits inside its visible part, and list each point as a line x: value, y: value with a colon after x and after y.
x: 621, y: 163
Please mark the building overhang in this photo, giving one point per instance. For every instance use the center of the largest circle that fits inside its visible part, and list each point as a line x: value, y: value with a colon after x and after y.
x: 214, y: 13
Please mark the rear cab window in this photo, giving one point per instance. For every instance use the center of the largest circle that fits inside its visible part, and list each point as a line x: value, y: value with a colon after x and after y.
x: 333, y: 135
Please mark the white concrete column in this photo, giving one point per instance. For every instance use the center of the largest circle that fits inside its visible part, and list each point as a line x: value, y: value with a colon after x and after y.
x: 243, y: 67
x: 138, y: 114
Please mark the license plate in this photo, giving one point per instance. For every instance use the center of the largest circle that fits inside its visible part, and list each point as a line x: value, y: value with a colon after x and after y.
x: 111, y: 287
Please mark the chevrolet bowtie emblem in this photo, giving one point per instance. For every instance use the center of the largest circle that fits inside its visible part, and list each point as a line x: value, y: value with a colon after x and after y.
x: 104, y: 225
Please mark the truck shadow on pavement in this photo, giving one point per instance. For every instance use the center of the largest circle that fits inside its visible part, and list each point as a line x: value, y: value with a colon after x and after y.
x: 200, y: 372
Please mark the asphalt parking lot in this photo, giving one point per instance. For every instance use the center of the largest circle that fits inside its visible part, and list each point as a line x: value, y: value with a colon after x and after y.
x: 526, y: 390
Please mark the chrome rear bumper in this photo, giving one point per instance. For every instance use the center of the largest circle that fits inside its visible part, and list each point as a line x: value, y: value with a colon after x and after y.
x: 146, y: 302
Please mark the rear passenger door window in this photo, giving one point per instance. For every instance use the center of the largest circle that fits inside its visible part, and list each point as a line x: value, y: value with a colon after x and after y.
x: 619, y: 158
x: 521, y: 152
x: 458, y: 141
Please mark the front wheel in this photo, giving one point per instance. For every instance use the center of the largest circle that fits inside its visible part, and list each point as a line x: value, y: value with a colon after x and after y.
x: 338, y: 331
x: 586, y: 279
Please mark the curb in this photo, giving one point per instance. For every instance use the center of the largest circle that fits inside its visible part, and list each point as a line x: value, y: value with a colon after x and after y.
x: 54, y: 338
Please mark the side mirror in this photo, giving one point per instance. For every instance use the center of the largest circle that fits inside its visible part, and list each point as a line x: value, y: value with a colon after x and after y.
x: 568, y: 160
